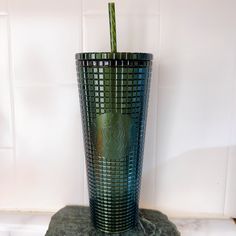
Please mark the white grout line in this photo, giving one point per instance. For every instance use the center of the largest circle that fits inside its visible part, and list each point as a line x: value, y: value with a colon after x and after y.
x: 101, y: 13
x: 38, y: 85
x: 4, y: 32
x: 6, y: 148
x: 11, y: 91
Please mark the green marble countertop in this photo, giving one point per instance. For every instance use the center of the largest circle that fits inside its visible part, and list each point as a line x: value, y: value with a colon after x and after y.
x: 75, y: 221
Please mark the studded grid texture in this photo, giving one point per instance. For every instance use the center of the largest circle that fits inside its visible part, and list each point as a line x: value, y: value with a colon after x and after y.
x: 114, y: 98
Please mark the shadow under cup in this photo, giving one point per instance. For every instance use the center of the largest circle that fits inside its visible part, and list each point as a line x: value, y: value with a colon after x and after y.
x: 114, y: 90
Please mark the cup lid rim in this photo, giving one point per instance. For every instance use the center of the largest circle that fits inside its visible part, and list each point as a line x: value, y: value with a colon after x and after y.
x: 113, y: 56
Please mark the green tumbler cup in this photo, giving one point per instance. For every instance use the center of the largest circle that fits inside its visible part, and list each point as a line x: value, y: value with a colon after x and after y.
x: 114, y: 90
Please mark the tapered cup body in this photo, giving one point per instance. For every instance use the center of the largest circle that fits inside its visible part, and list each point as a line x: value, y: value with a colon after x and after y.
x: 114, y: 91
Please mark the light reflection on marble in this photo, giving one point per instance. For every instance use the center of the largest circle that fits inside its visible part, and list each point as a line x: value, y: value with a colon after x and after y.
x: 205, y: 227
x: 24, y: 224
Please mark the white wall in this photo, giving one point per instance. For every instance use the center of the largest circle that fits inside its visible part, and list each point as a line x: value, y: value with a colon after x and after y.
x: 196, y: 157
x: 190, y: 155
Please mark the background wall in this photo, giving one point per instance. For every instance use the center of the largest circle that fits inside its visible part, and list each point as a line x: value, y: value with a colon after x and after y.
x: 190, y: 155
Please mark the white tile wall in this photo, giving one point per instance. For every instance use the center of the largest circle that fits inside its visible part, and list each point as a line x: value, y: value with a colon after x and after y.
x: 189, y: 164
x: 230, y: 206
x: 7, y: 179
x: 7, y: 175
x: 230, y: 195
x: 5, y: 105
x: 49, y: 167
x: 49, y: 147
x: 45, y: 35
x: 197, y: 61
x: 3, y: 7
x: 137, y: 36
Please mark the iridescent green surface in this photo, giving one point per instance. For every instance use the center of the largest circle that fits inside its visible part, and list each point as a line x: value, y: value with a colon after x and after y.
x: 114, y: 90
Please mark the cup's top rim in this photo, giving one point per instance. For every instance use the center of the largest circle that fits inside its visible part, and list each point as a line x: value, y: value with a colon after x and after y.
x: 113, y: 56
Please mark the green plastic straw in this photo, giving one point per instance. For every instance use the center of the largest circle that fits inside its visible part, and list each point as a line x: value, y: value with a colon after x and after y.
x: 112, y: 21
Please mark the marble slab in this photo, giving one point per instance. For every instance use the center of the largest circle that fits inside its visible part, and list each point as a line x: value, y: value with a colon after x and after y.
x: 75, y: 221
x: 36, y: 224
